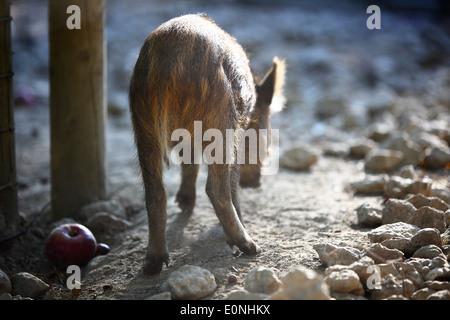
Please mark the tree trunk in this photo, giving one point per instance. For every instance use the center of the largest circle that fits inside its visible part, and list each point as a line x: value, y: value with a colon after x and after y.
x: 8, y: 188
x: 77, y: 106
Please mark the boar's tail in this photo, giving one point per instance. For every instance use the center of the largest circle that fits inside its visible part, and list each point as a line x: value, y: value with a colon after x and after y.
x: 150, y: 125
x: 162, y: 125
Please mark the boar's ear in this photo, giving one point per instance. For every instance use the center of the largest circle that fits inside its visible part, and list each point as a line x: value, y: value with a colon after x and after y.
x: 270, y: 90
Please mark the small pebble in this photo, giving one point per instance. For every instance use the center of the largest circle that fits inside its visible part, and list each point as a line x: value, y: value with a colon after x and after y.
x: 102, y: 249
x: 232, y: 278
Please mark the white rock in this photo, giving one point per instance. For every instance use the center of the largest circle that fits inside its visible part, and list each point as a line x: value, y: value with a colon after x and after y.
x: 190, y: 282
x: 402, y: 244
x: 380, y: 98
x: 379, y: 131
x: 382, y: 160
x: 426, y: 236
x: 393, y: 230
x: 111, y: 206
x: 368, y: 215
x: 384, y: 270
x: 412, y: 272
x: 419, y: 200
x: 427, y: 140
x: 396, y: 210
x: 361, y: 267
x: 443, y: 194
x: 27, y: 285
x: 262, y: 280
x: 436, y: 157
x: 5, y: 296
x: 245, y: 295
x: 396, y: 297
x: 370, y: 185
x: 407, y: 172
x: 328, y: 106
x: 422, y: 185
x: 398, y: 187
x: 331, y: 254
x: 160, y: 296
x: 401, y: 142
x: 428, y: 252
x: 299, y: 158
x: 440, y: 295
x: 442, y: 274
x: 362, y: 147
x: 347, y: 296
x: 103, y: 221
x: 302, y: 283
x: 381, y: 254
x: 437, y: 285
x: 390, y: 286
x: 438, y: 262
x: 345, y: 281
x: 428, y: 217
x: 334, y: 149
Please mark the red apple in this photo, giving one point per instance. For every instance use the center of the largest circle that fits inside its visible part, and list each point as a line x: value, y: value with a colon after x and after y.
x: 69, y: 244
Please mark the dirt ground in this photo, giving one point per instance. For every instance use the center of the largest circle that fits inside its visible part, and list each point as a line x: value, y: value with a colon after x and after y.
x: 329, y: 52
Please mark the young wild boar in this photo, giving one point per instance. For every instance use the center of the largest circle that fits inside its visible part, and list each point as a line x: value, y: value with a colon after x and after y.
x: 191, y: 70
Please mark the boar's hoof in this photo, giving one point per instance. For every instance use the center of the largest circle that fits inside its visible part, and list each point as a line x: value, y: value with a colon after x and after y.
x: 248, y: 247
x: 153, y: 264
x: 254, y: 183
x: 185, y: 202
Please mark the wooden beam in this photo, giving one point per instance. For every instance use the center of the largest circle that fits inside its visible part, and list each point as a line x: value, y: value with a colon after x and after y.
x: 77, y: 106
x: 8, y: 188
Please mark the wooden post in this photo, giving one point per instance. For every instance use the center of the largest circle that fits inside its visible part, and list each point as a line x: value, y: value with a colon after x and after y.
x: 77, y: 106
x: 8, y: 187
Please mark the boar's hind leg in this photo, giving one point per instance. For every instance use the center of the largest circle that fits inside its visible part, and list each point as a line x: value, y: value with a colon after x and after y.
x: 155, y: 199
x: 186, y: 193
x: 218, y: 188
